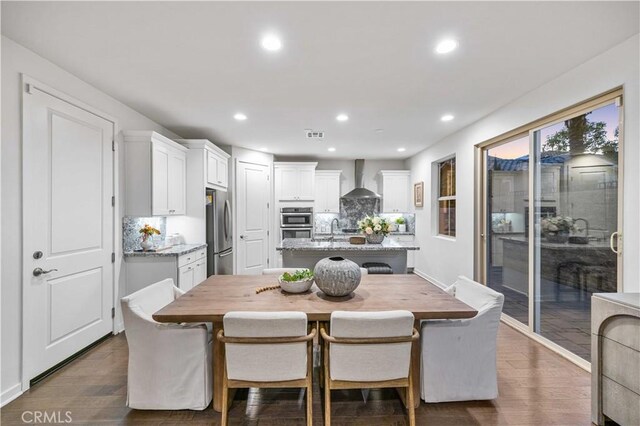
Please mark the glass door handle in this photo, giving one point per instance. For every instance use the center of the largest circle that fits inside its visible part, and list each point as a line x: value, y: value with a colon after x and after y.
x: 616, y: 236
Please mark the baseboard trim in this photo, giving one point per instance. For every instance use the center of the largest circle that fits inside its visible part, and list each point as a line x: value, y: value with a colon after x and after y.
x: 10, y: 394
x: 430, y: 278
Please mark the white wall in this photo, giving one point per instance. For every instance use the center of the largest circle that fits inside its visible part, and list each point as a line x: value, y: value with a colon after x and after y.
x: 16, y: 60
x: 443, y: 259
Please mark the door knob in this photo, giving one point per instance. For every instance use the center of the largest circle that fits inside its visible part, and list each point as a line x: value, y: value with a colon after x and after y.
x: 242, y: 237
x: 39, y: 271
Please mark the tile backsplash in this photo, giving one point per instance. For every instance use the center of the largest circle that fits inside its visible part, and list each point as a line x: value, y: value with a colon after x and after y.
x: 131, y: 225
x: 323, y: 220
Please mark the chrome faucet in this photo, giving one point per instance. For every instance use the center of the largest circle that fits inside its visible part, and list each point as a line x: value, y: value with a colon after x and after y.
x: 586, y: 225
x: 338, y: 223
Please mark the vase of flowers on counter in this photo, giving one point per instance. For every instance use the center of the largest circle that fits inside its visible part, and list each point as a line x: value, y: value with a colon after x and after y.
x: 557, y: 229
x: 375, y: 228
x: 148, y: 232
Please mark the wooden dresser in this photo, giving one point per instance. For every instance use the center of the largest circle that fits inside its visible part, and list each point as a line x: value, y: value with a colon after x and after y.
x: 615, y: 353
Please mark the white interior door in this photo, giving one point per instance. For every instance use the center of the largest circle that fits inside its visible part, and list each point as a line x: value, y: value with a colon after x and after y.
x: 252, y: 184
x: 68, y: 229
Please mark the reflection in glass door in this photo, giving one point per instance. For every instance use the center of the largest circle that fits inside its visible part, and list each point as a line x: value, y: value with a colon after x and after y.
x: 548, y: 252
x: 507, y: 268
x: 576, y: 213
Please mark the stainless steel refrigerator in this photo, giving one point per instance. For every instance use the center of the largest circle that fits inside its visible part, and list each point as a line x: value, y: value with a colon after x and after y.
x: 219, y: 233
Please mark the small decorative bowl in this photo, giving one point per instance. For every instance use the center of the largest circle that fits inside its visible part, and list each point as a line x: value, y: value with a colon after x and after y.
x: 295, y: 286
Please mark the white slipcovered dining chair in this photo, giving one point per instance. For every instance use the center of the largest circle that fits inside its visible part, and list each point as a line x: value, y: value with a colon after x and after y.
x: 368, y: 350
x: 267, y: 350
x: 458, y: 361
x: 169, y: 364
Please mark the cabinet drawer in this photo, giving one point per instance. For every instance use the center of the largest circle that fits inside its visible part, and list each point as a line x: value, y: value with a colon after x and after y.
x: 621, y: 364
x: 619, y: 403
x: 185, y: 259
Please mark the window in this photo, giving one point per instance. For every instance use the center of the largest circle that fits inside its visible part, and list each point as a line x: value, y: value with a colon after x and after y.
x: 447, y: 197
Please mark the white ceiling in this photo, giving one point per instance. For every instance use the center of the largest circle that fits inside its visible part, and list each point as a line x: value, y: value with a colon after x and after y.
x: 192, y: 66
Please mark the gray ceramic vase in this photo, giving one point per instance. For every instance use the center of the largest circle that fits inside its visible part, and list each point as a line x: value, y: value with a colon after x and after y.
x: 375, y: 238
x: 337, y: 276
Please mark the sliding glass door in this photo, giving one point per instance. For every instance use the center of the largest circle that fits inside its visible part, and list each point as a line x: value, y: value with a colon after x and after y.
x: 576, y: 215
x: 507, y: 171
x: 551, y: 216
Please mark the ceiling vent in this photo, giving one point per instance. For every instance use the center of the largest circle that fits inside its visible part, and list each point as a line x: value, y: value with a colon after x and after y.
x: 313, y: 134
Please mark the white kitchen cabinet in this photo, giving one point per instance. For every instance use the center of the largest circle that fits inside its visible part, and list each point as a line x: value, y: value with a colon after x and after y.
x: 327, y: 188
x: 395, y: 187
x: 217, y: 175
x: 503, y: 192
x: 202, y: 156
x: 192, y: 274
x: 155, y: 175
x: 210, y: 163
x: 187, y: 270
x: 295, y: 181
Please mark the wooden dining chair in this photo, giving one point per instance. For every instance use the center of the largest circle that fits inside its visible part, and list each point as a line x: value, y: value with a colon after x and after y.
x: 368, y: 350
x: 267, y: 350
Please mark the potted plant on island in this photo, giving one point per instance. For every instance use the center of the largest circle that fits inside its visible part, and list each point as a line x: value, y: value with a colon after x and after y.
x: 556, y: 229
x: 375, y: 228
x: 148, y: 232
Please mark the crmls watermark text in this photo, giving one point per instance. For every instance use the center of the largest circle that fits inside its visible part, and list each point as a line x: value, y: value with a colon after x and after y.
x: 40, y: 417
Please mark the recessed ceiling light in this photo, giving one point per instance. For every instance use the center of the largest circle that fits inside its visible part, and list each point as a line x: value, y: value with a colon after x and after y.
x: 401, y: 149
x: 240, y: 116
x: 446, y: 117
x: 264, y: 149
x: 379, y: 130
x: 332, y: 149
x: 342, y: 117
x: 271, y: 42
x: 446, y: 46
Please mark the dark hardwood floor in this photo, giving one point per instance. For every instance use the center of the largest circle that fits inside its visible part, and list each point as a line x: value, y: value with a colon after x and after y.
x: 537, y: 387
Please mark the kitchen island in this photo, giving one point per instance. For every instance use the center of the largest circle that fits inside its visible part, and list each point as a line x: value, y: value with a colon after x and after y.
x: 306, y: 252
x: 586, y: 267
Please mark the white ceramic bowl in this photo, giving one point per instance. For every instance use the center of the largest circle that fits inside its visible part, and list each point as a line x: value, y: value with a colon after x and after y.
x: 295, y: 286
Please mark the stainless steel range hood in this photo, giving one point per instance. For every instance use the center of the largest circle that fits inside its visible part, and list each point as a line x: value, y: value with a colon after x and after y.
x: 360, y: 191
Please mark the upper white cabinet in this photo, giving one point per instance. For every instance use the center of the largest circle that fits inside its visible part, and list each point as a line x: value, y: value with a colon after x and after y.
x: 295, y: 181
x: 395, y: 187
x: 217, y: 168
x: 155, y: 174
x: 327, y: 191
x: 210, y: 161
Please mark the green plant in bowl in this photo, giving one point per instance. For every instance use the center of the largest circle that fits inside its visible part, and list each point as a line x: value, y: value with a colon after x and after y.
x: 400, y: 221
x: 298, y: 282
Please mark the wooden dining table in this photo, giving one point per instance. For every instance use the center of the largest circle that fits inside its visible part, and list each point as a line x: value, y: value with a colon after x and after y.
x: 219, y: 294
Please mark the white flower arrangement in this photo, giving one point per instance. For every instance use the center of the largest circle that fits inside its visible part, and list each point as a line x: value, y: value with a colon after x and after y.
x: 558, y: 224
x: 374, y: 225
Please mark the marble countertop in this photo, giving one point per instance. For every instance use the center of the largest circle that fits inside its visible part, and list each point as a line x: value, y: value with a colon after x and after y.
x: 593, y: 245
x: 307, y: 244
x: 176, y: 250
